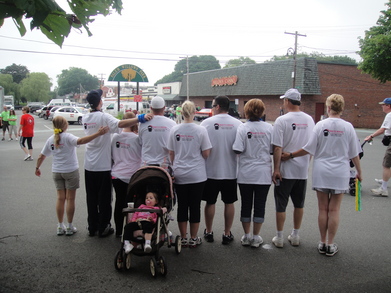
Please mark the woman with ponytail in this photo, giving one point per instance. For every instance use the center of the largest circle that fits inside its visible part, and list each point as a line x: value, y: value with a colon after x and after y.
x: 65, y: 167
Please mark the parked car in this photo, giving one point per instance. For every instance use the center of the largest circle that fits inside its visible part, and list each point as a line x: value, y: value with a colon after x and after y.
x: 49, y: 112
x: 203, y: 114
x: 71, y: 114
x: 41, y: 111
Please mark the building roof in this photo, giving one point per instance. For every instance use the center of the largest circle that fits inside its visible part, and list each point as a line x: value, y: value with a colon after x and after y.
x: 271, y: 78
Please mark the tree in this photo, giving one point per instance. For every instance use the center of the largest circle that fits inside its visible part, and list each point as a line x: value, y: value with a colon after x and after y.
x: 239, y: 62
x: 36, y: 87
x: 375, y: 48
x: 51, y: 19
x: 7, y: 83
x: 196, y: 64
x: 69, y: 81
x: 18, y: 72
x: 319, y: 57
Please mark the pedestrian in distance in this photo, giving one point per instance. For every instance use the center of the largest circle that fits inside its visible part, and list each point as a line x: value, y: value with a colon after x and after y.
x: 333, y: 143
x: 189, y: 146
x: 384, y: 129
x: 4, y: 116
x: 126, y: 157
x: 97, y: 163
x: 291, y: 132
x: 253, y: 144
x: 178, y: 114
x: 26, y: 133
x: 12, y: 124
x: 221, y: 166
x: 65, y: 167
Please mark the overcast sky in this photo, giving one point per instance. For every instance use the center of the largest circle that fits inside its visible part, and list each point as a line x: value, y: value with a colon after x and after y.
x: 154, y: 34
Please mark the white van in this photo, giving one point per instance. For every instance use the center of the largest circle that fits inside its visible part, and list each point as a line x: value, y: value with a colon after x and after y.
x: 59, y: 102
x: 112, y: 107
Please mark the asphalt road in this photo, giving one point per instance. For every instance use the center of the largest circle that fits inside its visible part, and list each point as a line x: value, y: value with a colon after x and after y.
x: 34, y: 259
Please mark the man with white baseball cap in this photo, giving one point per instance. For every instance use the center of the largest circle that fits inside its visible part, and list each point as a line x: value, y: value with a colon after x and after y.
x: 290, y: 132
x: 385, y: 129
x: 153, y: 135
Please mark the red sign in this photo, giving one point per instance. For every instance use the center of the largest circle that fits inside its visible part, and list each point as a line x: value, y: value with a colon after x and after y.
x: 138, y: 98
x: 222, y: 81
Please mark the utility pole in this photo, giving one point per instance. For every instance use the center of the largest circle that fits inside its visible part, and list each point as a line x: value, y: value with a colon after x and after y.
x: 187, y: 75
x: 296, y: 34
x: 101, y: 80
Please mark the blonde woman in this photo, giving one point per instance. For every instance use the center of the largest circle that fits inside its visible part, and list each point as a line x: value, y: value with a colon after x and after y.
x: 333, y: 143
x: 189, y: 146
x: 65, y: 167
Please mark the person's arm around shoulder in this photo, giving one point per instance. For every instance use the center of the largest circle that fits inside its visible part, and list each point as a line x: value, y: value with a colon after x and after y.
x: 86, y: 139
x: 133, y: 121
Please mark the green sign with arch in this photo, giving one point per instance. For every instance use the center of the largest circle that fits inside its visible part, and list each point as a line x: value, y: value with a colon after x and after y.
x: 128, y: 72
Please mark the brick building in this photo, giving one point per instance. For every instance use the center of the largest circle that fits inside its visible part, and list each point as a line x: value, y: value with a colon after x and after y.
x: 315, y: 80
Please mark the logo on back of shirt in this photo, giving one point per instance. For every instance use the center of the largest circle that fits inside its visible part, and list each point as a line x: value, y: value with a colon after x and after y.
x: 150, y: 128
x: 326, y: 132
x: 216, y: 125
x: 122, y: 145
x: 52, y: 146
x: 178, y: 137
x: 294, y: 126
x: 117, y: 144
x: 249, y: 135
x: 184, y: 137
x: 89, y: 125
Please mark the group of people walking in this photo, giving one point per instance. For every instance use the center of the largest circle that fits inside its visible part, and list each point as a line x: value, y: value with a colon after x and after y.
x: 207, y: 160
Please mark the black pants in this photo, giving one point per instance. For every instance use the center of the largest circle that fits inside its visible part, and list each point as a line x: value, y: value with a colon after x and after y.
x: 98, y: 190
x: 129, y: 229
x: 120, y: 188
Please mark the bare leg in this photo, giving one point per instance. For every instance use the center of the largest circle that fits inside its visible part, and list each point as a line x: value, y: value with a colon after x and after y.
x: 194, y: 229
x: 209, y: 212
x: 297, y: 217
x: 60, y: 205
x: 323, y: 207
x: 229, y: 214
x: 257, y: 228
x: 70, y: 208
x: 246, y: 227
x: 280, y: 219
x: 333, y: 223
x: 182, y: 228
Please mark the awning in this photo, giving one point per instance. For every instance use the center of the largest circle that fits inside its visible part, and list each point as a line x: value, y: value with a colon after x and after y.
x: 172, y: 98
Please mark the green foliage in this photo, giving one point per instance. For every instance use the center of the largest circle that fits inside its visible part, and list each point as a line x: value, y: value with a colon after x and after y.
x: 196, y: 64
x: 239, y: 62
x: 36, y: 87
x: 69, y: 81
x: 6, y: 82
x: 51, y: 19
x: 375, y: 48
x: 318, y: 56
x: 18, y: 72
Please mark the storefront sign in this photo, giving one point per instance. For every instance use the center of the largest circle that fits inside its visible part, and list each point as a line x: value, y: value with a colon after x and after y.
x: 166, y: 90
x: 222, y: 81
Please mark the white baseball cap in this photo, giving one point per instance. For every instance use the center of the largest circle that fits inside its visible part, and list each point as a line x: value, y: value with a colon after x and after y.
x: 292, y: 94
x: 157, y: 103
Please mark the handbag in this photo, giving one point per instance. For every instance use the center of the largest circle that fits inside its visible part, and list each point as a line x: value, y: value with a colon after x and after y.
x: 386, y: 140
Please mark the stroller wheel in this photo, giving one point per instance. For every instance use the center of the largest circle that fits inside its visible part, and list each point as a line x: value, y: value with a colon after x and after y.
x: 178, y: 244
x: 128, y: 261
x: 119, y: 261
x: 153, y: 267
x: 163, y: 266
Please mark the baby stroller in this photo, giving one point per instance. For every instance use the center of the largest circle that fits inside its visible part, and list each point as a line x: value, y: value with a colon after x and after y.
x: 158, y: 180
x: 352, y: 179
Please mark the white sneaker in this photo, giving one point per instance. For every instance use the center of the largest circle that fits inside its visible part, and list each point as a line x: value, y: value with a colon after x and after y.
x: 147, y: 248
x: 128, y: 247
x: 379, y: 181
x: 256, y: 241
x: 60, y: 231
x: 70, y: 231
x: 278, y: 241
x: 246, y: 241
x: 331, y: 249
x: 380, y: 191
x: 27, y: 157
x: 294, y: 240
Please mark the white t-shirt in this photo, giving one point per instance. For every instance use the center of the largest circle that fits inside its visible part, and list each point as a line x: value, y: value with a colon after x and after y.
x: 126, y: 155
x: 253, y: 140
x: 153, y: 137
x: 222, y: 161
x: 387, y: 124
x: 98, y: 151
x: 333, y: 143
x: 291, y: 132
x: 187, y: 140
x: 64, y: 157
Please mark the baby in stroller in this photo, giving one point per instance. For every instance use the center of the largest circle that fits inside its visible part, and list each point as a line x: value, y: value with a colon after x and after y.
x: 144, y: 221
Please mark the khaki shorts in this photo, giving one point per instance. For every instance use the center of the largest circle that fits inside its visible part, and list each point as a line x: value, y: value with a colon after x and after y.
x: 68, y: 181
x: 387, y: 158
